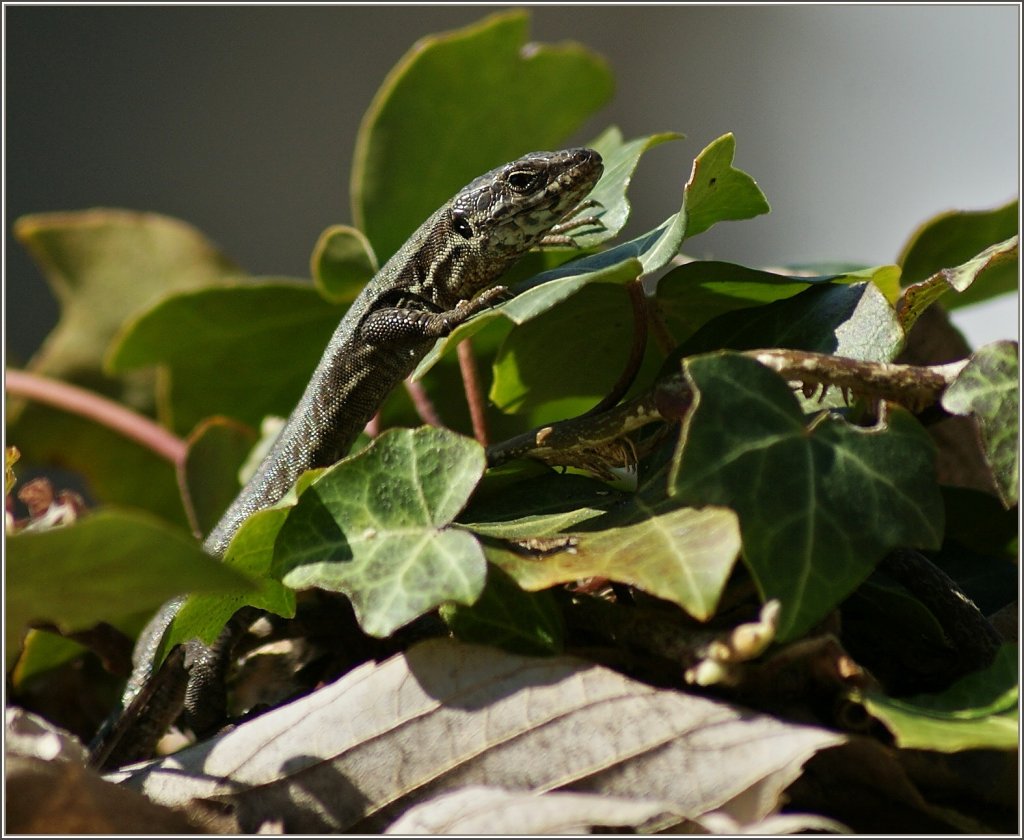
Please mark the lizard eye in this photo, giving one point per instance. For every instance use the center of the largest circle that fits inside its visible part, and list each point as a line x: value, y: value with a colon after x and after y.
x: 461, y: 224
x: 524, y: 180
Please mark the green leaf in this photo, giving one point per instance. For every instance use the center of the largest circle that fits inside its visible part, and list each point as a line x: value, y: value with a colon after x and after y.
x: 216, y: 450
x: 537, y: 506
x: 528, y: 623
x: 42, y: 652
x: 979, y: 711
x: 682, y: 555
x: 244, y: 350
x: 718, y: 192
x: 620, y: 161
x: 995, y: 261
x: 107, y: 565
x: 251, y: 552
x: 955, y: 237
x: 693, y: 294
x: 376, y: 527
x: 981, y: 523
x: 342, y: 263
x: 572, y: 352
x: 457, y: 105
x: 819, y: 505
x: 988, y: 388
x: 105, y: 266
x: 854, y: 321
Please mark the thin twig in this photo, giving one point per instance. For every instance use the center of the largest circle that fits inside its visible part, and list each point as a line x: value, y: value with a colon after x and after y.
x: 474, y: 393
x: 102, y: 410
x: 422, y: 403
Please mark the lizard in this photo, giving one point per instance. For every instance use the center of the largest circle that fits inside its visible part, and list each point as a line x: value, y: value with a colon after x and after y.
x: 443, y: 275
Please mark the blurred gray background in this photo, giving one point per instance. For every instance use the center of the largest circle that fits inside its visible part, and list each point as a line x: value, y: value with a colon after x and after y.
x: 858, y: 122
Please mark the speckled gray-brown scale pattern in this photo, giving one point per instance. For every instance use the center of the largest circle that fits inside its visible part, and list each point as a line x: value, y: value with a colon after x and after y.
x: 437, y: 280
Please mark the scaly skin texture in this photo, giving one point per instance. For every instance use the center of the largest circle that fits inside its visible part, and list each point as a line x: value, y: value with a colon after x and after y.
x: 437, y: 280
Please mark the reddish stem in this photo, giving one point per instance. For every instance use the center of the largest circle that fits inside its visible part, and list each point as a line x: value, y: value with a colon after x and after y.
x: 102, y: 410
x: 421, y: 402
x: 474, y: 393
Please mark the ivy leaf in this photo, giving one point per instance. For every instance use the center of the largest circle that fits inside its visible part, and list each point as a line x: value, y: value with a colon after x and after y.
x: 955, y: 237
x: 718, y: 192
x: 565, y: 359
x: 457, y: 105
x: 692, y: 295
x: 537, y: 506
x: 979, y: 711
x: 507, y: 617
x: 244, y: 350
x: 994, y: 262
x: 682, y: 555
x: 851, y: 320
x: 988, y: 388
x: 620, y: 159
x: 819, y: 505
x: 573, y: 528
x: 107, y: 565
x: 342, y: 263
x: 251, y: 552
x: 105, y: 266
x: 376, y: 528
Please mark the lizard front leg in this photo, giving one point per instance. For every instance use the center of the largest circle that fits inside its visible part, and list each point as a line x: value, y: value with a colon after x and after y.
x: 397, y: 325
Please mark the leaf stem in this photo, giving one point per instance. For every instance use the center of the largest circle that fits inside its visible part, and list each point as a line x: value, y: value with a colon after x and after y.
x: 422, y: 403
x: 100, y: 409
x: 474, y: 393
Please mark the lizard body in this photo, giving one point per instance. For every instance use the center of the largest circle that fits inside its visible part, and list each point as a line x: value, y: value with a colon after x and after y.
x: 443, y: 275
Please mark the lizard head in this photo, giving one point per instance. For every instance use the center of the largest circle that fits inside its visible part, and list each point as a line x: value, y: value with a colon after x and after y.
x: 509, y: 210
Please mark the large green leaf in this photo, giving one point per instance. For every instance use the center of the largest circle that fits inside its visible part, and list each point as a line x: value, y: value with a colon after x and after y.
x: 376, y: 527
x: 988, y: 388
x: 561, y: 528
x: 819, y: 504
x: 955, y: 237
x: 457, y: 105
x: 108, y: 565
x: 537, y: 506
x: 572, y: 352
x: 105, y: 266
x: 979, y: 711
x: 852, y: 320
x: 693, y: 294
x: 244, y: 350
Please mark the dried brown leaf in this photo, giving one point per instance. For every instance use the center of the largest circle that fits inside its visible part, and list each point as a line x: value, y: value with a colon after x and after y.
x: 360, y: 752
